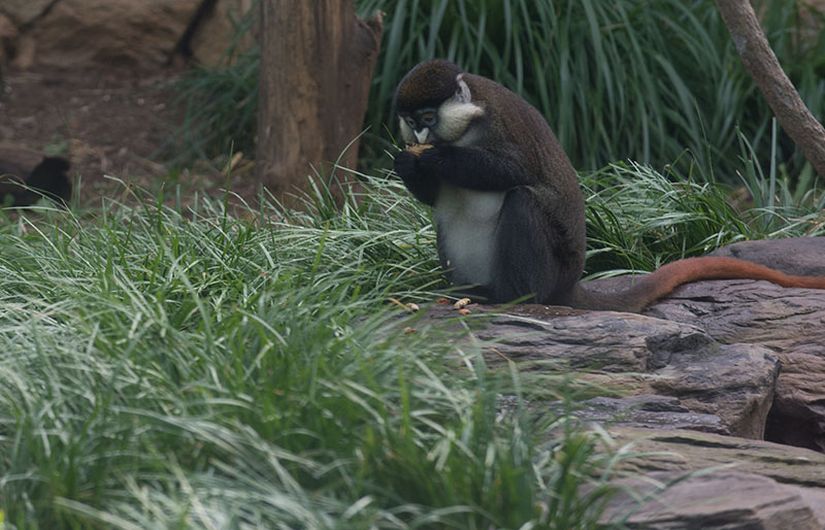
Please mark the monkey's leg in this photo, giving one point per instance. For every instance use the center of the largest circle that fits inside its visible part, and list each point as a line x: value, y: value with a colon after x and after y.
x: 537, y: 256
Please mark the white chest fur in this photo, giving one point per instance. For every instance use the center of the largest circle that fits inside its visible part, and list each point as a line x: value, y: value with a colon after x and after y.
x: 466, y: 222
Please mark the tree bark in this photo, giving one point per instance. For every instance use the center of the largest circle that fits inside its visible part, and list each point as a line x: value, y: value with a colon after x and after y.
x: 764, y: 68
x: 317, y: 60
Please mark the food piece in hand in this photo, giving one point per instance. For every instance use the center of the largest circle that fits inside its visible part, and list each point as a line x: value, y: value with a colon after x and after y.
x: 417, y: 149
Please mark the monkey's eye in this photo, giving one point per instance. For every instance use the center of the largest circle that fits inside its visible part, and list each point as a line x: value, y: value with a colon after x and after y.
x: 428, y: 119
x: 410, y: 122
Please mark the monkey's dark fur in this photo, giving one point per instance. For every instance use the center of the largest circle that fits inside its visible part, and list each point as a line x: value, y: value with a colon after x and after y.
x: 508, y: 208
x: 47, y: 179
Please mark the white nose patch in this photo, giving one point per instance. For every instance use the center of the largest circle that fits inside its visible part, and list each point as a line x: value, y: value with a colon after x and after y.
x: 422, y: 135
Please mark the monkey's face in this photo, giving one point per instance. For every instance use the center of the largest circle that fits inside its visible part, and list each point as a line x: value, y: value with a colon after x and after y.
x: 435, y: 104
x: 444, y: 124
x: 420, y: 124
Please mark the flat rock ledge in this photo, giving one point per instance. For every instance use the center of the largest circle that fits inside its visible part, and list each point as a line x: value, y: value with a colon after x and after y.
x: 686, y: 479
x: 703, y: 377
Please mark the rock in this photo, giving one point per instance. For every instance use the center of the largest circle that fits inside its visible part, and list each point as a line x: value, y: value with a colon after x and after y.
x: 597, y: 340
x: 798, y: 416
x: 787, y: 321
x: 736, y: 383
x: 217, y: 32
x: 796, y: 255
x: 24, y: 12
x: 8, y: 36
x: 722, y: 500
x: 708, y: 361
x: 772, y: 486
x: 124, y: 33
x: 733, y: 383
x: 689, y: 388
x: 684, y: 450
x: 643, y: 361
x: 648, y: 411
x: 750, y: 311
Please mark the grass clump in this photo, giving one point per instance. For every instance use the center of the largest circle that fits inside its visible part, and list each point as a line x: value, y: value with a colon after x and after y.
x: 219, y: 108
x: 201, y: 369
x: 639, y: 218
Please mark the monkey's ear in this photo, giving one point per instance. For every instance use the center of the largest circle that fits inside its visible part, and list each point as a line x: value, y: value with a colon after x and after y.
x: 463, y: 94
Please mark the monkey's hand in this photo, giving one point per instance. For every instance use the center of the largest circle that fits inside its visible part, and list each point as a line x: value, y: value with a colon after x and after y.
x: 432, y: 160
x: 405, y: 165
x: 422, y: 186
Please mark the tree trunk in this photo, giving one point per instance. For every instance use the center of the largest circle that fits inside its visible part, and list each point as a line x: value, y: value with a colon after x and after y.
x: 761, y: 63
x: 317, y: 60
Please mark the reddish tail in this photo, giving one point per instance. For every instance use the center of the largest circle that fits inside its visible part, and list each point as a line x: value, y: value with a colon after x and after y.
x: 663, y: 281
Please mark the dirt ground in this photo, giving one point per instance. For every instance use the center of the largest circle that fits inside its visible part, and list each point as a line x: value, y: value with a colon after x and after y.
x: 110, y: 125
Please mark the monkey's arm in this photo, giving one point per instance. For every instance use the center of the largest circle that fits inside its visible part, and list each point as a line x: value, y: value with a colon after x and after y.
x: 473, y: 168
x: 423, y: 187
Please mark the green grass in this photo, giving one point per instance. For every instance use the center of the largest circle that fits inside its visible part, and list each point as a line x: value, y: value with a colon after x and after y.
x: 626, y: 79
x: 219, y: 112
x: 639, y: 218
x: 166, y: 369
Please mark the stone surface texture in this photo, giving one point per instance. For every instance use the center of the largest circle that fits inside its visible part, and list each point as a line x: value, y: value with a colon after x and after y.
x: 692, y: 387
x: 789, y: 322
x: 110, y: 32
x: 24, y: 12
x: 144, y: 35
x: 696, y: 480
x: 646, y: 356
x: 723, y: 500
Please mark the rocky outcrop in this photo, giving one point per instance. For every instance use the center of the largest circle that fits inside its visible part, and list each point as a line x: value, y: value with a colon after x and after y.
x: 678, y: 450
x: 789, y: 322
x: 707, y: 481
x: 715, y: 501
x: 743, y: 357
x: 104, y: 33
x: 24, y: 12
x: 641, y: 360
x: 797, y: 255
x: 695, y: 384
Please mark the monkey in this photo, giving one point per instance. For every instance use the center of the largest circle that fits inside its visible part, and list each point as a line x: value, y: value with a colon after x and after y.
x: 507, y: 206
x: 47, y: 179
